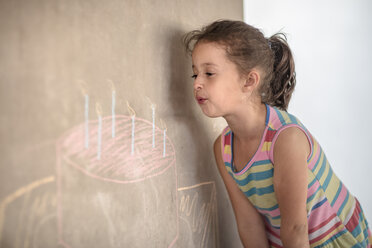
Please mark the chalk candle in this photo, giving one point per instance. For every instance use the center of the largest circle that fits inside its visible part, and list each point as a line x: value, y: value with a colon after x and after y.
x: 133, y: 115
x: 164, y: 135
x: 153, y: 125
x: 99, y: 134
x: 86, y: 115
x: 165, y: 130
x: 83, y: 88
x: 113, y: 107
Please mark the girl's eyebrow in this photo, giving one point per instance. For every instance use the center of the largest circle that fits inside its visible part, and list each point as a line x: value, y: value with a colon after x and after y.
x: 206, y: 64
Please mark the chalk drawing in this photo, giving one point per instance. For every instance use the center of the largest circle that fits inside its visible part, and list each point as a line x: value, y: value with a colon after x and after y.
x: 32, y: 210
x: 198, y: 211
x: 129, y: 168
x: 17, y: 194
x: 113, y: 182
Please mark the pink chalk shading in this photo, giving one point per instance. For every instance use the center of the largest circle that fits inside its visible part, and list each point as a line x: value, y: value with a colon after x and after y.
x: 116, y: 163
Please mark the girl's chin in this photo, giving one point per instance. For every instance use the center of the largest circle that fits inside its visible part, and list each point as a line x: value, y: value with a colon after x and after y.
x: 211, y: 115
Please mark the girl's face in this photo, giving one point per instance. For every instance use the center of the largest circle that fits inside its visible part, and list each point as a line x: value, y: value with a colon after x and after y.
x: 217, y: 82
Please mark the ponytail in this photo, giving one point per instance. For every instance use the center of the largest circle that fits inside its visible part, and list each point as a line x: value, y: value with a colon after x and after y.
x: 279, y: 90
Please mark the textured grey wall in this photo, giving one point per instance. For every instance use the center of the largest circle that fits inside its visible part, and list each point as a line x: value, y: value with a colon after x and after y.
x: 76, y: 175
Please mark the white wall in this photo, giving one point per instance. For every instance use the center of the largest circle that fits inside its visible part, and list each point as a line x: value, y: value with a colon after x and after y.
x: 332, y: 45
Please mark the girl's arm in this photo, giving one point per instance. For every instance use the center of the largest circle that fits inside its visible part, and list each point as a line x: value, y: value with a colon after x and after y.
x: 250, y: 224
x: 290, y: 184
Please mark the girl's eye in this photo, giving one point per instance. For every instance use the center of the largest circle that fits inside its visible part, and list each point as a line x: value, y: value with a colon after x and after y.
x: 194, y: 76
x: 209, y: 74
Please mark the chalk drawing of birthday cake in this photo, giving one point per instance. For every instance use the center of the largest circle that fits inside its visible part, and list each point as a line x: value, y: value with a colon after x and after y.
x: 116, y: 191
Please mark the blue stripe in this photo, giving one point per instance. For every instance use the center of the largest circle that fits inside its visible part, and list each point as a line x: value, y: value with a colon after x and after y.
x: 260, y: 191
x: 261, y: 162
x: 268, y: 216
x: 313, y: 195
x: 360, y: 245
x: 267, y: 115
x: 322, y: 168
x: 333, y: 238
x: 365, y: 242
x: 328, y: 179
x: 280, y: 116
x: 312, y: 182
x: 293, y: 119
x: 268, y: 209
x: 365, y: 232
x: 317, y: 162
x: 268, y: 221
x: 336, y: 196
x: 276, y: 217
x: 343, y: 204
x: 258, y: 176
x: 319, y: 204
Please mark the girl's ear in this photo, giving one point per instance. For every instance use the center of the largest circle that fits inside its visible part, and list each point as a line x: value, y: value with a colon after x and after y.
x: 251, y: 81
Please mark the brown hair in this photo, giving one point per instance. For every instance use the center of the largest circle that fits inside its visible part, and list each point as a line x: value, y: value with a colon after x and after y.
x: 247, y: 47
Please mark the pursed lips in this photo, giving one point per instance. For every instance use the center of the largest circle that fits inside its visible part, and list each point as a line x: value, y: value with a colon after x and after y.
x: 200, y: 100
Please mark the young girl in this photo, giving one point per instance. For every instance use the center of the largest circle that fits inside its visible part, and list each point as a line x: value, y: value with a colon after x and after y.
x: 281, y: 186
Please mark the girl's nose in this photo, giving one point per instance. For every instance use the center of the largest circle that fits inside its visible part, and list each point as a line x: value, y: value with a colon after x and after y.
x: 197, y: 84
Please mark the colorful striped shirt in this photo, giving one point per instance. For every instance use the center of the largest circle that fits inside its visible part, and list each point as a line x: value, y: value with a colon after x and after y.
x: 335, y: 217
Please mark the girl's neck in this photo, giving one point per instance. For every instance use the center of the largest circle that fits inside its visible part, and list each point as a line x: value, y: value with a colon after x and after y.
x: 248, y: 122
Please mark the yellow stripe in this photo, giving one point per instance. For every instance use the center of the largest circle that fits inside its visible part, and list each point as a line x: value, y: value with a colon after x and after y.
x: 315, y: 150
x: 265, y: 201
x: 227, y: 149
x: 256, y: 184
x: 271, y: 125
x: 347, y: 208
x: 254, y: 169
x: 274, y: 222
x: 325, y: 173
x: 266, y: 146
x: 333, y: 185
x: 319, y: 164
x: 285, y: 117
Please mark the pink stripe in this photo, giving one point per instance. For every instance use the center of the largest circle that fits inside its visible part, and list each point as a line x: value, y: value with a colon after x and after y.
x: 226, y: 157
x: 314, y: 229
x: 254, y: 158
x: 314, y: 159
x: 260, y: 156
x: 320, y: 214
x: 273, y: 213
x: 313, y: 189
x: 340, y: 199
x: 274, y: 116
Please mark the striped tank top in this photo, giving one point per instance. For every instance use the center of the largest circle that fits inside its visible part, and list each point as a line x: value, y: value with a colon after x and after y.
x: 335, y: 217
